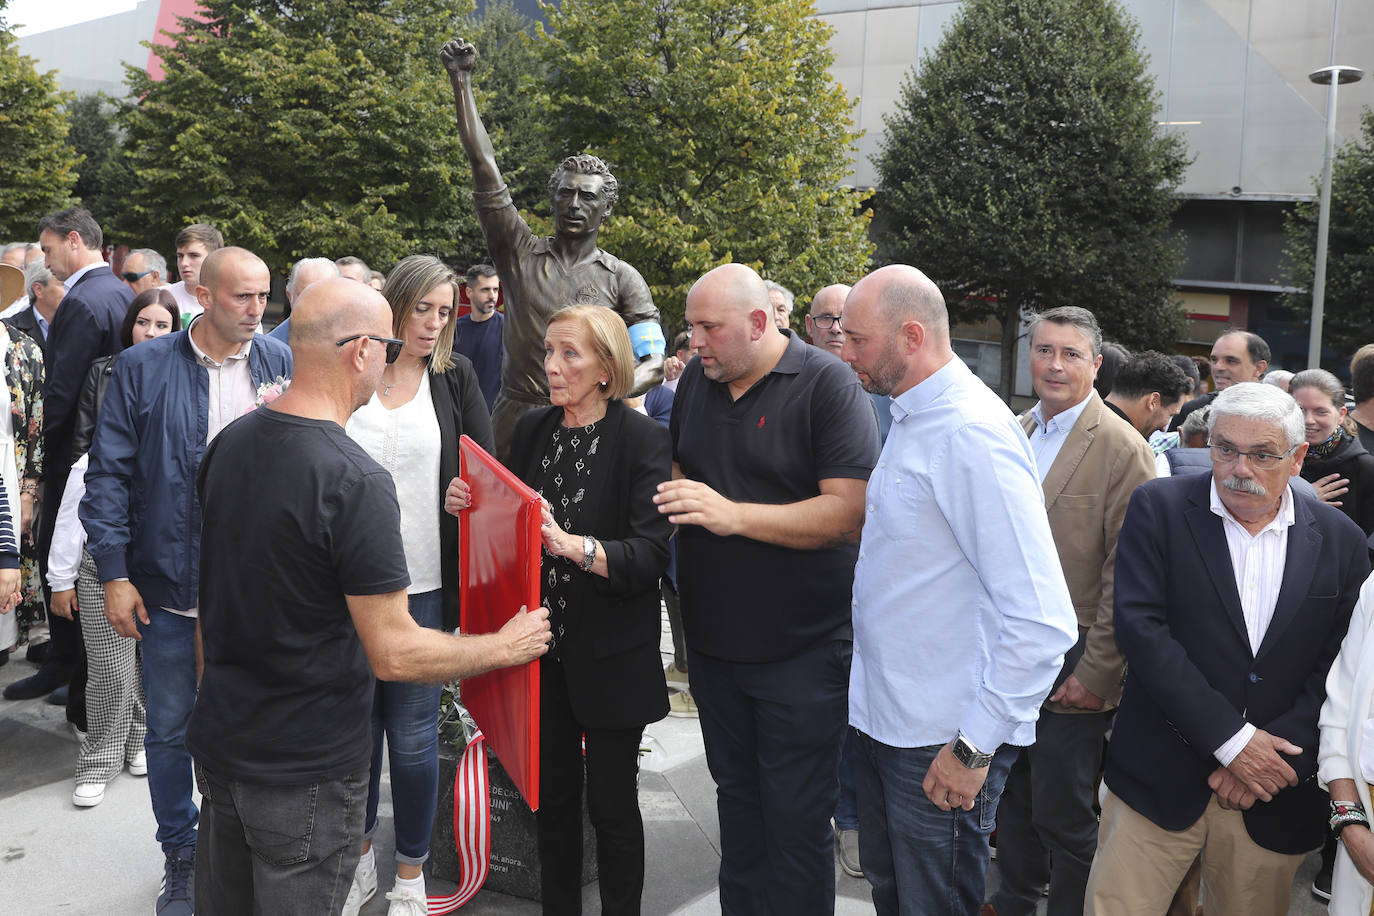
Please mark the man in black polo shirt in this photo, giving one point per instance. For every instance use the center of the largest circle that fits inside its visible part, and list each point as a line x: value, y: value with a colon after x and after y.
x: 773, y: 443
x: 303, y: 598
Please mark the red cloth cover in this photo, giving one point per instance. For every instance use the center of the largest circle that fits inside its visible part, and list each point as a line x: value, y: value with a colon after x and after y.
x: 500, y: 572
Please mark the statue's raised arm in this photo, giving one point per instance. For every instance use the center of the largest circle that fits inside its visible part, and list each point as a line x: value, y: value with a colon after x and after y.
x: 542, y: 274
x: 459, y: 58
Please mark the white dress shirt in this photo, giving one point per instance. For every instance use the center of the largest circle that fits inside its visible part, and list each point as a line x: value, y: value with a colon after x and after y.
x: 77, y: 275
x: 1048, y: 438
x: 961, y: 614
x: 231, y: 387
x: 1257, y: 561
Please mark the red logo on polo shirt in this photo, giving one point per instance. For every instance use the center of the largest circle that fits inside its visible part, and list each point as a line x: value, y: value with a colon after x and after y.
x: 761, y: 419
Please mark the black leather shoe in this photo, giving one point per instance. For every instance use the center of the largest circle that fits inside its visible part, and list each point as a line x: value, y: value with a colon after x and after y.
x: 44, y: 682
x: 59, y: 696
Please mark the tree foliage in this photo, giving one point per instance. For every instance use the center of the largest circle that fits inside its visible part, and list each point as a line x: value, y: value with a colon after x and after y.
x: 94, y: 138
x: 510, y: 75
x: 1023, y: 169
x: 1348, y: 320
x: 37, y: 166
x: 725, y: 130
x: 302, y: 128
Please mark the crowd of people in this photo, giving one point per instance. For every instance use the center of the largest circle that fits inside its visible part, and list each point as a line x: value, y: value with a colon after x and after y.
x: 1085, y: 571
x: 1125, y: 631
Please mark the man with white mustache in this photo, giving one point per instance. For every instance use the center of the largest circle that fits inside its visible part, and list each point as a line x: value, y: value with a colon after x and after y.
x: 1233, y: 593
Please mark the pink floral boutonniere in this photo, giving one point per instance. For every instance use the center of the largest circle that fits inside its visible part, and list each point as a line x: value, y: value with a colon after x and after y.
x: 269, y: 392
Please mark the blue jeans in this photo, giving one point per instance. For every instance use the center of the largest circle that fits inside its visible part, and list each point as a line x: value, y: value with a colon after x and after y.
x: 169, y: 681
x: 277, y: 850
x: 407, y: 715
x: 772, y: 732
x: 847, y: 808
x: 922, y: 861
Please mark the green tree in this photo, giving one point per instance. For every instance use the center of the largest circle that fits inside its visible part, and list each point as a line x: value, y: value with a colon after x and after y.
x: 315, y: 127
x: 725, y: 130
x: 510, y: 73
x: 1023, y: 169
x: 37, y: 166
x: 1348, y: 320
x: 93, y: 137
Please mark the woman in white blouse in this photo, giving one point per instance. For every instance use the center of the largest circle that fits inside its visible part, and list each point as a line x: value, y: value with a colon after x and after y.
x: 1345, y: 761
x: 427, y: 398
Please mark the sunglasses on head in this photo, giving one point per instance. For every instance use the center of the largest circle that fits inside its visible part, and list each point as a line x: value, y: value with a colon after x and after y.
x: 131, y: 277
x: 393, y: 346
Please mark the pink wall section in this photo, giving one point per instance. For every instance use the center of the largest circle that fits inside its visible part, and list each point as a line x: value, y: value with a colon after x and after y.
x: 168, y: 21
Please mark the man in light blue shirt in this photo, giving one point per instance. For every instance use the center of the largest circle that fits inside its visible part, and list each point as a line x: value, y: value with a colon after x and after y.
x: 961, y: 613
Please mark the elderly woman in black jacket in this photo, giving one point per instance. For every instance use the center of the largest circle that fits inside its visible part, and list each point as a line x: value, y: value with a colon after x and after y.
x: 596, y: 463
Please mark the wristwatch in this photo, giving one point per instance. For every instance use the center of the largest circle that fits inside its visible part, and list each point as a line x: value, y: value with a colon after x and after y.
x: 588, y: 553
x: 968, y: 755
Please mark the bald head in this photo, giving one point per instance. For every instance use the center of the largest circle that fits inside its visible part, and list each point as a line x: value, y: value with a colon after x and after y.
x: 221, y: 261
x: 896, y: 329
x: 735, y: 285
x: 902, y: 293
x: 832, y: 295
x: 306, y: 272
x: 824, y: 320
x: 732, y: 327
x: 334, y: 308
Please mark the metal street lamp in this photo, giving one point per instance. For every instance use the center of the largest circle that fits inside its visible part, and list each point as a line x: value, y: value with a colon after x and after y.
x: 1332, y: 77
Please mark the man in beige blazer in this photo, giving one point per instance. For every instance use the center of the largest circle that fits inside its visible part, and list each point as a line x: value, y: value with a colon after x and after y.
x: 1090, y: 461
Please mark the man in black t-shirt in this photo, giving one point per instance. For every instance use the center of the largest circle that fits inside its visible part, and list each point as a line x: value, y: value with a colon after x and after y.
x: 773, y: 443
x: 302, y: 601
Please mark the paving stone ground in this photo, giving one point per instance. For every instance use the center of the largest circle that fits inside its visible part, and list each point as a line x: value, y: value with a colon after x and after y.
x: 59, y: 859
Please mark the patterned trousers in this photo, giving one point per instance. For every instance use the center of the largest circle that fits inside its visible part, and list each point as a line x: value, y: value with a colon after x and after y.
x: 114, y: 691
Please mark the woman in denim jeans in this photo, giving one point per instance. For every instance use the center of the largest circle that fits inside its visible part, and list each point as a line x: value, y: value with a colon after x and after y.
x: 427, y: 398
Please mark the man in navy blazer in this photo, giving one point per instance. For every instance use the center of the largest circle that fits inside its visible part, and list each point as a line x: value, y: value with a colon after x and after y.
x: 85, y: 326
x: 1233, y: 593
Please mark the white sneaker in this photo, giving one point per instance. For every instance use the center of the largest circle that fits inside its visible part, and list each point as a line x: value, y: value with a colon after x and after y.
x: 88, y: 794
x: 405, y: 903
x: 138, y: 764
x: 364, y: 888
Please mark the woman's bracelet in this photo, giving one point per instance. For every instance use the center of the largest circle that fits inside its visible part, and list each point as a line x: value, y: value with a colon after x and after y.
x: 1345, y: 813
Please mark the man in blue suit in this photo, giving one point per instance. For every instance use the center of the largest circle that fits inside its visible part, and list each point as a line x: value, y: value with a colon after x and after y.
x: 1233, y: 593
x: 85, y: 326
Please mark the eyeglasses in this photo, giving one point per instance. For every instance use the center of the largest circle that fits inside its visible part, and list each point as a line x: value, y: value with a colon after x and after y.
x: 1261, y: 461
x: 825, y: 322
x: 131, y: 277
x: 393, y: 346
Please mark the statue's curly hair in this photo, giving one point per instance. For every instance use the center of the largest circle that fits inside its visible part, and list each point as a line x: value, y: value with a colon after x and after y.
x: 587, y: 164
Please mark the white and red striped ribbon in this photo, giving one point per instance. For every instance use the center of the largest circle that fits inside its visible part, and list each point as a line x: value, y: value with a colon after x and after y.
x: 471, y: 826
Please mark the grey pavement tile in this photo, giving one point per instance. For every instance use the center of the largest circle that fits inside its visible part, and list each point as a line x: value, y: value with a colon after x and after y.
x: 43, y: 833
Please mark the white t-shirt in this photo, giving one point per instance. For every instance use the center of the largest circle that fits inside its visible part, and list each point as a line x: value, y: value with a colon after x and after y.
x: 406, y: 442
x: 186, y: 301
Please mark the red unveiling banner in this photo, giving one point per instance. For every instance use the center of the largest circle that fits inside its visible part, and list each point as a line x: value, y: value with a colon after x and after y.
x: 500, y: 572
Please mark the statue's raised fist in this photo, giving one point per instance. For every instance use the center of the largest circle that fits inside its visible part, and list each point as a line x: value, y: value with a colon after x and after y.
x: 459, y: 56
